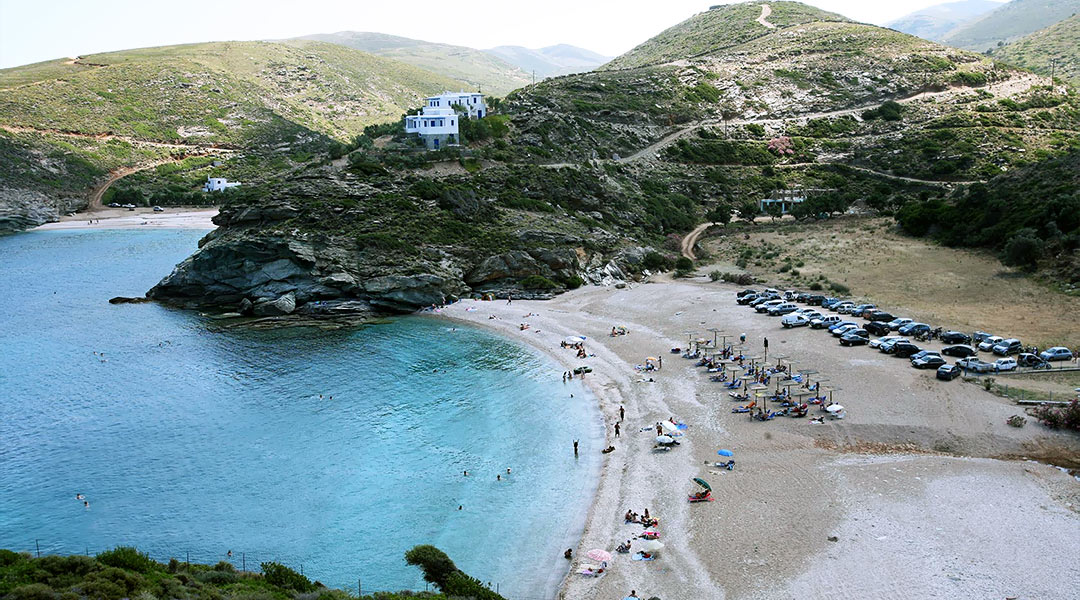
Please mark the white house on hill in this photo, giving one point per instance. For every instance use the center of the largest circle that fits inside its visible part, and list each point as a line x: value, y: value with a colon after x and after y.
x: 218, y: 184
x: 437, y: 123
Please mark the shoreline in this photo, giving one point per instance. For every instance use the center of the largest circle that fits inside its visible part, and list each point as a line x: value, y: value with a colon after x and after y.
x: 826, y: 480
x: 142, y: 218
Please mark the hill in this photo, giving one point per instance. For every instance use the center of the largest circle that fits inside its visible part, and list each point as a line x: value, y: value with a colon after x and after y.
x: 66, y: 124
x: 550, y: 61
x: 934, y: 22
x: 1010, y: 22
x: 1059, y: 42
x: 476, y: 68
x: 712, y: 31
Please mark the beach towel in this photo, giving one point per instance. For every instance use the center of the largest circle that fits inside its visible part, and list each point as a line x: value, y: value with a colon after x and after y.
x: 638, y: 556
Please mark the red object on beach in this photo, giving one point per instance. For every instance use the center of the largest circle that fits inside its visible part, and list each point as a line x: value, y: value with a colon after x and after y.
x: 695, y: 498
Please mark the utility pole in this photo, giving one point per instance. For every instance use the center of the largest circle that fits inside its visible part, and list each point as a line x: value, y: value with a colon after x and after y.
x: 1053, y: 69
x: 534, y: 76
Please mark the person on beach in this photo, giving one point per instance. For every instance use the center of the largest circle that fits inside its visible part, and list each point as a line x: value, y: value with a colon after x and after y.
x: 622, y: 413
x: 616, y: 429
x: 509, y: 298
x: 633, y: 596
x: 568, y: 554
x: 660, y: 361
x: 575, y: 448
x: 659, y: 429
x: 564, y: 376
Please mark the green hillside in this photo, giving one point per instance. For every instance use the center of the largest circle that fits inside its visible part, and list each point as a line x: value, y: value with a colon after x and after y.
x: 716, y: 29
x: 1060, y: 42
x: 1010, y: 22
x: 935, y: 22
x: 475, y: 68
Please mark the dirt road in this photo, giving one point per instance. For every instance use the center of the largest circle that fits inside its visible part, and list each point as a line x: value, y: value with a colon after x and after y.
x: 691, y: 239
x: 766, y: 10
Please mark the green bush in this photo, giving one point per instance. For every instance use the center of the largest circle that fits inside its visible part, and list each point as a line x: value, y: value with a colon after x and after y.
x: 537, y: 282
x: 715, y: 276
x: 573, y: 282
x: 839, y: 288
x: 126, y: 557
x: 1024, y: 249
x: 436, y: 565
x: 654, y: 261
x: 32, y: 591
x: 816, y: 286
x: 684, y: 264
x: 284, y: 577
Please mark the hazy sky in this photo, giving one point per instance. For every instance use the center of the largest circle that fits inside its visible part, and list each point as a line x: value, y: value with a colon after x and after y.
x: 32, y: 31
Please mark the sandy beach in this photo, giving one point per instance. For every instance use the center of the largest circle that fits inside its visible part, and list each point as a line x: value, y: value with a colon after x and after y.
x: 920, y: 492
x: 121, y: 218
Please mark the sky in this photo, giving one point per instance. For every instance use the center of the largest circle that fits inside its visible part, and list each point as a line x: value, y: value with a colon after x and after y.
x: 33, y: 31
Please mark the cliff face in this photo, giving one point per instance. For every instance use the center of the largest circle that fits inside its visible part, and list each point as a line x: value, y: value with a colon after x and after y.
x: 329, y: 244
x: 24, y: 209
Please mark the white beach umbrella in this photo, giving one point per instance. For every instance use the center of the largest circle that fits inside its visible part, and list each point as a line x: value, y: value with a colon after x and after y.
x: 670, y: 427
x: 574, y: 339
x: 650, y: 546
x: 664, y: 439
x: 834, y: 408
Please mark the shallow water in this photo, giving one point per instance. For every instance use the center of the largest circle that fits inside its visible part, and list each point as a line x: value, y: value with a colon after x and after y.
x: 188, y: 441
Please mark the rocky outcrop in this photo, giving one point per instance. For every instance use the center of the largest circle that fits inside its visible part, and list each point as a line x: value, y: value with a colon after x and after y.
x: 22, y: 209
x: 282, y: 305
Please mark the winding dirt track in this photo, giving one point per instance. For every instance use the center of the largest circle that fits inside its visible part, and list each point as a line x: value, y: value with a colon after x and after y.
x: 766, y: 10
x: 691, y: 239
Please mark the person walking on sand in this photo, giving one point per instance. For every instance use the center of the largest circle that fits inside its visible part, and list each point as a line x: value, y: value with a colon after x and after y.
x: 575, y: 448
x: 616, y: 429
x: 660, y: 362
x: 509, y: 298
x: 622, y: 413
x: 659, y: 429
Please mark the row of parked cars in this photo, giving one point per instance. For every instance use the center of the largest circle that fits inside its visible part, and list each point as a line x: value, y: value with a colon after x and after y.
x: 894, y: 333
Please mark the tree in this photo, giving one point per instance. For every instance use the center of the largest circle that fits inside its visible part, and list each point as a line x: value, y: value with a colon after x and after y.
x: 1024, y: 249
x: 748, y: 209
x: 720, y: 214
x: 435, y: 564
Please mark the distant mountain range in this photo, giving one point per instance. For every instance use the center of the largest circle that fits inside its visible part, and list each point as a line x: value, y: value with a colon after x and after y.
x: 496, y: 71
x: 1059, y: 42
x: 981, y: 25
x: 935, y: 22
x: 561, y: 59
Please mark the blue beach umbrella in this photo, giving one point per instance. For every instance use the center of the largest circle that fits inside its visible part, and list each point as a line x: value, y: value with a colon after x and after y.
x: 725, y: 452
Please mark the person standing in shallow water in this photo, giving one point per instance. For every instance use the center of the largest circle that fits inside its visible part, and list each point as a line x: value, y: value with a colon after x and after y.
x: 575, y: 448
x: 616, y: 429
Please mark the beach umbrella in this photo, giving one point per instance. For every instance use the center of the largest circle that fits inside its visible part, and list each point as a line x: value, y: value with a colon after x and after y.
x: 670, y: 427
x: 664, y: 439
x: 574, y: 339
x: 703, y: 483
x: 650, y: 545
x: 723, y: 452
x: 834, y: 408
x: 652, y: 358
x: 599, y: 555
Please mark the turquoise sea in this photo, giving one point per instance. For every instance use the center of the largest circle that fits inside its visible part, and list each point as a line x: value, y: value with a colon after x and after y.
x: 191, y: 442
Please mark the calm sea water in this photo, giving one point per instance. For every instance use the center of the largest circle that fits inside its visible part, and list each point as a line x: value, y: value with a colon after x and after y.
x: 184, y: 440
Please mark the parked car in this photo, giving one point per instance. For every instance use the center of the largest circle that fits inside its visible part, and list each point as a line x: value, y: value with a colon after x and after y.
x: 879, y: 315
x: 1056, y: 353
x: 768, y: 304
x: 843, y: 308
x: 861, y: 309
x: 815, y: 299
x: 745, y: 292
x: 979, y: 336
x: 904, y: 349
x: 930, y: 361
x: 794, y: 320
x: 790, y: 295
x: 782, y: 309
x: 913, y: 329
x: 840, y: 324
x: 840, y: 331
x: 948, y: 372
x: 988, y: 343
x: 884, y: 340
x: 975, y: 365
x: 830, y: 301
x: 812, y: 314
x: 114, y: 205
x: 747, y: 299
x: 898, y: 323
x: 959, y: 351
x: 924, y: 353
x: 158, y: 209
x: 824, y: 322
x: 876, y: 328
x: 887, y: 347
x: 1007, y: 347
x: 854, y: 337
x: 955, y: 337
x: 1005, y: 364
x: 1032, y: 361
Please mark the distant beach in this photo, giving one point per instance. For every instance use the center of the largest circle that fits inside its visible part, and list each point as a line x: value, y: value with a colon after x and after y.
x: 140, y: 218
x: 905, y: 496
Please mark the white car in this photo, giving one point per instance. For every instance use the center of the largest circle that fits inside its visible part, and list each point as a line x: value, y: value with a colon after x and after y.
x: 1005, y: 364
x: 884, y: 340
x: 824, y: 322
x: 794, y: 320
x: 899, y: 322
x: 812, y: 314
x: 843, y: 307
x: 988, y: 344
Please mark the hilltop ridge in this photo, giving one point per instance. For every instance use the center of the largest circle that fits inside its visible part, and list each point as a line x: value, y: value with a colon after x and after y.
x: 1059, y: 42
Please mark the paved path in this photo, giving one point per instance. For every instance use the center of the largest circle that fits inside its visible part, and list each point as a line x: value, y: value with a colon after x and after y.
x: 766, y: 10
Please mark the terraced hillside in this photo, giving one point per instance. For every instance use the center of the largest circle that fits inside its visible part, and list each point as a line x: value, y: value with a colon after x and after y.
x: 1054, y: 50
x: 65, y: 124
